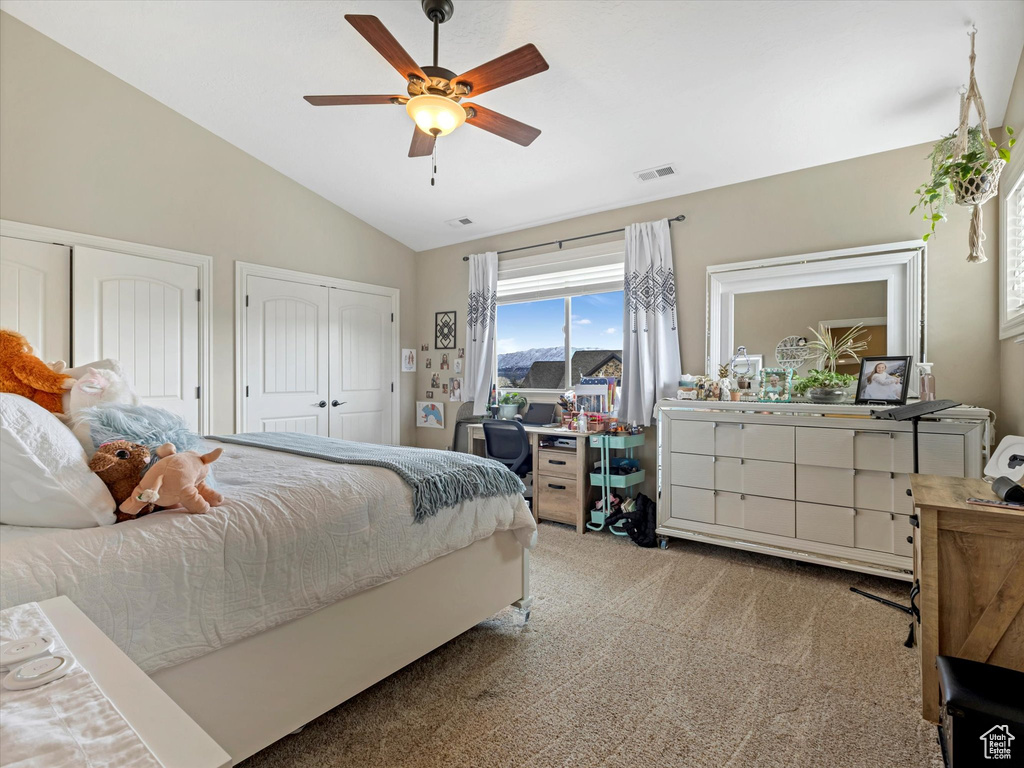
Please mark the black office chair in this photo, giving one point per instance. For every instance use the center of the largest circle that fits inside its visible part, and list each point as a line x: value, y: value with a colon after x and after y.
x: 507, y: 442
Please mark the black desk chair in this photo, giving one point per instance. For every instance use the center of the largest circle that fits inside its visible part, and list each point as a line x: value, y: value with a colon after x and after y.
x: 507, y: 442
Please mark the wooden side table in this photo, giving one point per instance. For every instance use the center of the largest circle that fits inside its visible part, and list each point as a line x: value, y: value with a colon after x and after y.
x: 171, y: 735
x: 969, y: 564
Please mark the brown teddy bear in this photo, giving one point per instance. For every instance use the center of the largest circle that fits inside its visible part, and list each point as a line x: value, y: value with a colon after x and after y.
x: 22, y: 373
x: 176, y: 479
x: 119, y: 465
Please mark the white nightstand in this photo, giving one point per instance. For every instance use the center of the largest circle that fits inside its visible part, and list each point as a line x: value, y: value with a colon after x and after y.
x: 171, y: 735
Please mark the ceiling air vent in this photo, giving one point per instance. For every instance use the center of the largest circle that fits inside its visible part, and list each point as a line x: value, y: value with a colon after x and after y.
x: 460, y: 222
x: 655, y: 173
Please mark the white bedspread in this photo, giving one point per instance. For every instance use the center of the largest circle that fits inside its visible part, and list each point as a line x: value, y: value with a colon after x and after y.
x: 294, y: 535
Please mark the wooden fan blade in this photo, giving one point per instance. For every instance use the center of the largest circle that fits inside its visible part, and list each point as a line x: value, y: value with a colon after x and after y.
x: 377, y: 35
x: 341, y: 101
x: 515, y: 65
x: 422, y: 144
x: 498, y: 124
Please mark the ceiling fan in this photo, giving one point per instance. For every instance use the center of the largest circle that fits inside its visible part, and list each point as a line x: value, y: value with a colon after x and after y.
x: 435, y: 93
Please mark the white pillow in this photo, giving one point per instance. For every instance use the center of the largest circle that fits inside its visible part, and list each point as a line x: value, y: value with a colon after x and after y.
x: 44, y: 478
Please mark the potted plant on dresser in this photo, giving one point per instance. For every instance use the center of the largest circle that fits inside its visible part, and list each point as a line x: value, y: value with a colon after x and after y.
x: 824, y: 384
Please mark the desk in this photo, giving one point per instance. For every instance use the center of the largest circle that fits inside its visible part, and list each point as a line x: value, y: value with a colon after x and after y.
x: 561, y: 476
x: 969, y: 563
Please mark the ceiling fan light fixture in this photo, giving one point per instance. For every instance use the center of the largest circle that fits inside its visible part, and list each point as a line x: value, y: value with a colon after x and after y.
x: 435, y: 115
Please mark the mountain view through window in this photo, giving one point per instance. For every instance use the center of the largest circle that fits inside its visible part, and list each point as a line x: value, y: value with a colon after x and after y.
x: 533, y: 342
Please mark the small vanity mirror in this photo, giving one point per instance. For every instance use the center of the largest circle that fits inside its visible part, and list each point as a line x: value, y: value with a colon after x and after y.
x: 769, y: 306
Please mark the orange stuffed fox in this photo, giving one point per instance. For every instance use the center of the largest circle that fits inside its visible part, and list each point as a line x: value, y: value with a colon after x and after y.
x: 22, y: 373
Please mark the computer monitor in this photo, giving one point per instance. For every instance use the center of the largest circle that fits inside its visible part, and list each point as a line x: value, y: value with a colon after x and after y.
x: 540, y: 414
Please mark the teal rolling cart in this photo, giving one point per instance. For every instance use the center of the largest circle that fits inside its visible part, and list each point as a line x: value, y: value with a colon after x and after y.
x: 606, y: 480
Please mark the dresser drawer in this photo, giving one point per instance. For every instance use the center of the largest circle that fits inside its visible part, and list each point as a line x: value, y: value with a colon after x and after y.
x: 755, y: 441
x: 728, y: 509
x: 692, y: 436
x: 878, y: 531
x: 825, y: 523
x: 557, y: 463
x: 693, y: 504
x: 882, y: 491
x: 942, y: 454
x: 883, y: 451
x: 776, y: 516
x: 693, y: 470
x: 825, y: 485
x: 824, y: 447
x: 768, y: 478
x: 557, y: 499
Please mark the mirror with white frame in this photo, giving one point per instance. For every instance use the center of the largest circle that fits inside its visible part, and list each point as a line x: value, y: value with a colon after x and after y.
x: 769, y: 306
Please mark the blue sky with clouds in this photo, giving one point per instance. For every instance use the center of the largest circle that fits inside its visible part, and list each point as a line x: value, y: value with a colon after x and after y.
x: 596, y: 323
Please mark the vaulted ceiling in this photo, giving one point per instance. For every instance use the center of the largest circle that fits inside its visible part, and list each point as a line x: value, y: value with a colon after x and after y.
x: 727, y: 91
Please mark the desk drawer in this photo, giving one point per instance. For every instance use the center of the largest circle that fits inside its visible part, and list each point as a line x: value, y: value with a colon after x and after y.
x: 693, y: 504
x: 693, y: 470
x: 825, y: 523
x: 557, y: 463
x: 557, y: 499
x: 692, y: 436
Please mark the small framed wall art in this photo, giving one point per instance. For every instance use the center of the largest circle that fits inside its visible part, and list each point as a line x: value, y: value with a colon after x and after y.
x: 444, y: 330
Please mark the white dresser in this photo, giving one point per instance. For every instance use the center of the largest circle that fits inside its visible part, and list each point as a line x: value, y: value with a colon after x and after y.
x: 819, y: 483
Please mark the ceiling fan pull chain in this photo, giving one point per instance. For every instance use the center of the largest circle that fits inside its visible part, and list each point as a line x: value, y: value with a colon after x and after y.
x: 433, y: 164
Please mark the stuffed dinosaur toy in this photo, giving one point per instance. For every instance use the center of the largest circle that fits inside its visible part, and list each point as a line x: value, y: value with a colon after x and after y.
x: 176, y: 479
x: 22, y: 373
x: 119, y: 465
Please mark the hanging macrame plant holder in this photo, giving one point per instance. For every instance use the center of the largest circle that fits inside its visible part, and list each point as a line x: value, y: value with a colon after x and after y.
x: 979, y: 187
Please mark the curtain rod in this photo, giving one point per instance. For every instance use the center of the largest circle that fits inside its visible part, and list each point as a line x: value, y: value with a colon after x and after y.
x: 680, y: 217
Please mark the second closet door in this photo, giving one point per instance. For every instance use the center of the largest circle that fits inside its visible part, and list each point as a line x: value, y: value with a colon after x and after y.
x: 361, y: 362
x: 286, y: 357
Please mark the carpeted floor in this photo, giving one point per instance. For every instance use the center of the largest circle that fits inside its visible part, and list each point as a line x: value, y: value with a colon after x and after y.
x: 695, y: 656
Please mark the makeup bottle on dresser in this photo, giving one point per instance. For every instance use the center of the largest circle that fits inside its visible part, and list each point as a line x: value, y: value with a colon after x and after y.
x: 927, y: 381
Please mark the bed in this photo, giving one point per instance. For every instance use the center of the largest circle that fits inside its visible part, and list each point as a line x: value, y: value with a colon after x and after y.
x: 308, y: 585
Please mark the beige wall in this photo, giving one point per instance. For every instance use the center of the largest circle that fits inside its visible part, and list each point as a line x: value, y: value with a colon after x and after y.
x: 84, y: 151
x: 1011, y: 416
x: 856, y: 202
x: 762, y: 320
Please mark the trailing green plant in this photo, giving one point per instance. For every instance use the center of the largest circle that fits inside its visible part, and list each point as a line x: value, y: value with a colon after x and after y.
x: 818, y: 379
x: 937, y: 193
x: 832, y: 348
x: 512, y: 398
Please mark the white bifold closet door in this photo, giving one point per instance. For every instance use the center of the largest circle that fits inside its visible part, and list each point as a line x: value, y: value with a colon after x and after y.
x: 318, y: 360
x: 144, y: 313
x: 35, y: 295
x: 362, y: 356
x: 286, y: 357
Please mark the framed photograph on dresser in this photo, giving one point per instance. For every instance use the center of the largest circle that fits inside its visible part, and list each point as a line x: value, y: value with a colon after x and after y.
x: 884, y: 380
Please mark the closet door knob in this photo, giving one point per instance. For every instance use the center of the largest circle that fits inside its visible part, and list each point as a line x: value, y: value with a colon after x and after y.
x: 321, y: 404
x: 335, y: 403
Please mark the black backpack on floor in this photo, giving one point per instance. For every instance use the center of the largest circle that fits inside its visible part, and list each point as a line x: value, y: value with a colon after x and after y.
x: 640, y: 524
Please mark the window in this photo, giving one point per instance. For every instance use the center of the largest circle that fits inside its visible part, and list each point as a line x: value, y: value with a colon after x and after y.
x: 1011, y: 257
x: 535, y: 342
x: 559, y: 318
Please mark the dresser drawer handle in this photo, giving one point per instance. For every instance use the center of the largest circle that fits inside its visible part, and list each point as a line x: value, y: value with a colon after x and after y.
x: 556, y: 461
x: 556, y: 487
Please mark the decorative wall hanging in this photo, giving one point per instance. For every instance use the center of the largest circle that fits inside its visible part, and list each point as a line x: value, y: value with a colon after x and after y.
x: 793, y: 352
x: 444, y: 330
x: 965, y: 168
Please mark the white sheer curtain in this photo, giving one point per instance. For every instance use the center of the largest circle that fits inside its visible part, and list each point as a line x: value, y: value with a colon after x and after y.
x: 483, y: 306
x: 650, y: 340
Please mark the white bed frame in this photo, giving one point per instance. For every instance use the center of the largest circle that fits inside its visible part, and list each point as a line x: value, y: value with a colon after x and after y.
x: 250, y: 694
